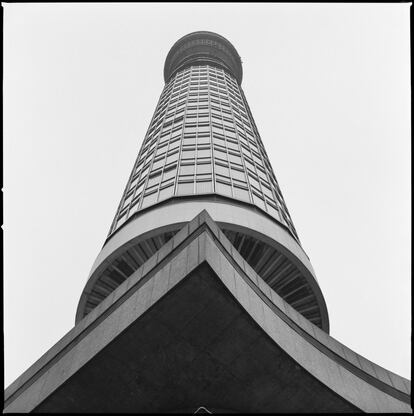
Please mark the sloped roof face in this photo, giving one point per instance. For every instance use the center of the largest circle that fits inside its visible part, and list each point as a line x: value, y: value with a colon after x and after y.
x: 196, y: 346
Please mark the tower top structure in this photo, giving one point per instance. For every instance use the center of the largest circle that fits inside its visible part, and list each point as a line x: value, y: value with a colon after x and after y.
x: 201, y: 48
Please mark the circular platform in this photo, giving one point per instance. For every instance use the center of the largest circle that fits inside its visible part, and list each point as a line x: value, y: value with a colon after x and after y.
x: 200, y: 48
x: 269, y: 249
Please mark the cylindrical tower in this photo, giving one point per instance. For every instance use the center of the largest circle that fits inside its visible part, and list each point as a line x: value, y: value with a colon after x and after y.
x: 203, y: 151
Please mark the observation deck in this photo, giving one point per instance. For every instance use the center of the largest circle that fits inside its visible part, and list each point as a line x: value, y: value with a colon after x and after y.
x: 201, y: 48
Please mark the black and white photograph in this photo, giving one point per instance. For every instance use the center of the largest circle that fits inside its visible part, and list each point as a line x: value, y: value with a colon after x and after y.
x: 207, y: 207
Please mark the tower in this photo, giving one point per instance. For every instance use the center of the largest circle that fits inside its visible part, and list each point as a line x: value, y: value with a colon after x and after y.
x: 202, y: 296
x: 203, y: 150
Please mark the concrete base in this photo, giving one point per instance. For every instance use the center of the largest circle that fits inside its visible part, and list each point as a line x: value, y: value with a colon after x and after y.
x: 193, y: 327
x: 196, y: 346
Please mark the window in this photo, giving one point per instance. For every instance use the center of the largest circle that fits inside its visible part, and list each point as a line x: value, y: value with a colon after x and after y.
x: 238, y: 174
x: 176, y: 133
x: 261, y: 173
x: 171, y: 158
x: 185, y: 188
x: 204, y: 168
x: 203, y: 118
x: 203, y: 139
x: 158, y: 163
x: 241, y: 193
x: 219, y: 140
x: 166, y: 192
x: 165, y: 132
x: 218, y: 130
x: 203, y: 152
x: 170, y: 172
x: 190, y: 129
x: 232, y: 145
x: 174, y: 145
x: 258, y: 201
x: 222, y: 170
x: 133, y: 183
x: 154, y: 179
x: 187, y: 170
x: 223, y: 188
x: 203, y: 187
x: 235, y: 158
x: 253, y: 181
x: 128, y: 199
x: 205, y: 128
x: 267, y: 191
x: 231, y: 134
x: 188, y: 153
x: 144, y: 173
x: 121, y: 220
x: 249, y: 164
x: 189, y: 140
x: 220, y: 154
x: 149, y: 199
x: 134, y: 206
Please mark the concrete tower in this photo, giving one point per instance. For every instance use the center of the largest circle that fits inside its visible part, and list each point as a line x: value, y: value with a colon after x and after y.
x: 202, y: 298
x: 203, y: 151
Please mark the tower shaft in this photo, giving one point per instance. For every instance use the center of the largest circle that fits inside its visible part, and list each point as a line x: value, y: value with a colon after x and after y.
x: 202, y: 140
x: 203, y: 150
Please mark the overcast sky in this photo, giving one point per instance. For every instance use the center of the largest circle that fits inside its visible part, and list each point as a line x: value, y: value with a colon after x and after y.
x: 329, y: 88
